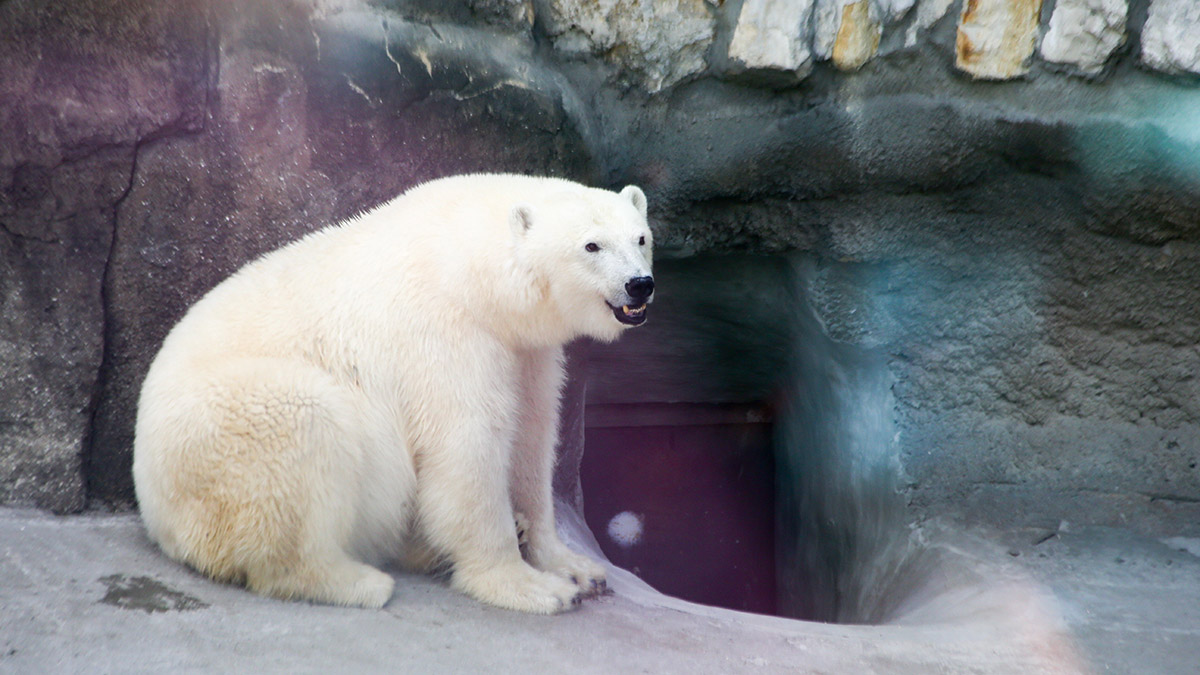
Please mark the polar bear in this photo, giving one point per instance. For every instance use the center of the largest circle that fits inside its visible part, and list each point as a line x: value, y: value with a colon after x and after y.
x: 387, y: 389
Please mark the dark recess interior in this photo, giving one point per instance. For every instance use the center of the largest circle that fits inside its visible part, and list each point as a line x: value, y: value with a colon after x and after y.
x: 679, y: 433
x: 700, y: 482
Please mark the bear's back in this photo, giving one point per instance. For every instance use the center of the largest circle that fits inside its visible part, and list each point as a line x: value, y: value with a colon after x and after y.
x: 407, y: 256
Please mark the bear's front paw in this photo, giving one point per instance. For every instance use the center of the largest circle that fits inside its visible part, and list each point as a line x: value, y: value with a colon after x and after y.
x: 519, y: 587
x: 587, y: 574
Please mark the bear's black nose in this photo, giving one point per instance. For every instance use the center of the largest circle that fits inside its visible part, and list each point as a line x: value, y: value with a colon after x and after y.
x: 640, y: 288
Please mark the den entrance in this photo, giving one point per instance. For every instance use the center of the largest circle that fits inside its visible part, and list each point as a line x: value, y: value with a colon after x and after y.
x: 679, y: 471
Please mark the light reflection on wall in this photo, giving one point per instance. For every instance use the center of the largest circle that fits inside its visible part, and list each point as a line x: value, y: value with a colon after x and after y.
x: 837, y: 473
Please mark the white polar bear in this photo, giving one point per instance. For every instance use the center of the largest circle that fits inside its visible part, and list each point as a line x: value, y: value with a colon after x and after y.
x: 388, y: 389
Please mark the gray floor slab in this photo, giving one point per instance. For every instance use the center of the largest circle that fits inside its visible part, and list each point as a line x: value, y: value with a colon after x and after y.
x: 91, y: 594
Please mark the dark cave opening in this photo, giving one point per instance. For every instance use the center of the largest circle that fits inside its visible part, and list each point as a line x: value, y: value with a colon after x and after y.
x: 738, y: 456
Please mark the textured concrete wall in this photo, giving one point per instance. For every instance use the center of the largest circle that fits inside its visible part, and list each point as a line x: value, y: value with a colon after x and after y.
x: 1022, y: 255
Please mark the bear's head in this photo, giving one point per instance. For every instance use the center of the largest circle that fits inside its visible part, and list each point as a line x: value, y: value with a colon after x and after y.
x: 590, y: 252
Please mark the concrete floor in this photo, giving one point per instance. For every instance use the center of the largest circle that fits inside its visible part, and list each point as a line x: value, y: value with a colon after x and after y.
x: 91, y: 594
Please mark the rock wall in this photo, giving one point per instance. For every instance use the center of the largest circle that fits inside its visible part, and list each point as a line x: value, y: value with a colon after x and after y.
x: 147, y: 151
x: 999, y: 201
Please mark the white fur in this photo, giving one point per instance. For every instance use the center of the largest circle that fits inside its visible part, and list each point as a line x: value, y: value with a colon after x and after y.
x: 388, y: 389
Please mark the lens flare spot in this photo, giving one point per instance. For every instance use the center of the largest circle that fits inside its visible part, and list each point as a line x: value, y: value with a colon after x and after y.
x: 625, y: 529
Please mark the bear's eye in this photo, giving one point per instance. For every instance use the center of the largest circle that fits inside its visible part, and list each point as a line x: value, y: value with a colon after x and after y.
x: 641, y: 241
x: 592, y: 247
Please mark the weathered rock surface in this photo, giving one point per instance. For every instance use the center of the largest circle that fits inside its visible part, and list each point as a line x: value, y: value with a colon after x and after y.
x: 857, y: 35
x: 296, y: 142
x: 846, y: 32
x: 661, y: 43
x: 75, y: 113
x: 928, y: 13
x: 1171, y: 37
x: 895, y: 10
x: 996, y: 37
x: 1085, y: 33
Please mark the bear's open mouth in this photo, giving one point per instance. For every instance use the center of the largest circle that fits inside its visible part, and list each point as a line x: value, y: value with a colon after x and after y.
x: 633, y: 316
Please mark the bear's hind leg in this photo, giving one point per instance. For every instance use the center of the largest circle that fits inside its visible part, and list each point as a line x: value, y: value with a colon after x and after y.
x: 331, y: 579
x: 272, y: 489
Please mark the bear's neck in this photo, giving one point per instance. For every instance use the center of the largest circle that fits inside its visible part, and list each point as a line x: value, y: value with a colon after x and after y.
x: 522, y: 312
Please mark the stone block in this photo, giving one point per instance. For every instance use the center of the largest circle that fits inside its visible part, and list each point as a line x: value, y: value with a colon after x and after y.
x: 996, y: 38
x: 1171, y: 37
x: 773, y: 35
x: 846, y: 32
x: 857, y: 36
x: 1085, y: 33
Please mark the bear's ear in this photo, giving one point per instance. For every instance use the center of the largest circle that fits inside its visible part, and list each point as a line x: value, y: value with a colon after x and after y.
x: 520, y: 219
x: 634, y: 194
